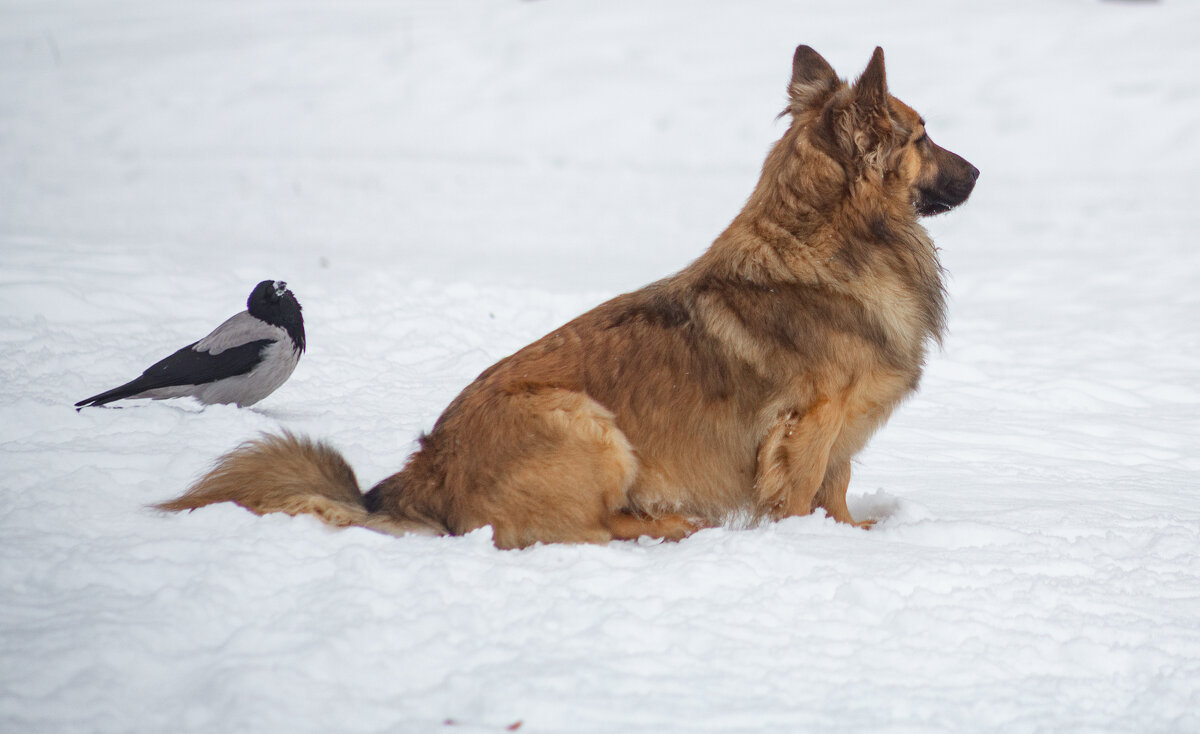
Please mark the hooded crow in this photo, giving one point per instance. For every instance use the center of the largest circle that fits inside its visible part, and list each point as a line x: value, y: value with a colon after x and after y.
x: 242, y: 361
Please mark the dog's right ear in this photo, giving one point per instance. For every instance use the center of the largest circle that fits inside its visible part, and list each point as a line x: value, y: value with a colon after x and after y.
x: 812, y: 77
x: 870, y: 91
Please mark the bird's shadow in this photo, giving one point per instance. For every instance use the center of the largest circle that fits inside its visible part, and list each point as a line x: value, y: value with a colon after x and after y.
x: 284, y: 414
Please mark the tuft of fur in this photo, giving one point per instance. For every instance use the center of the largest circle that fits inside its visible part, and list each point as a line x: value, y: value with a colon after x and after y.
x: 280, y: 474
x: 289, y: 474
x: 741, y: 386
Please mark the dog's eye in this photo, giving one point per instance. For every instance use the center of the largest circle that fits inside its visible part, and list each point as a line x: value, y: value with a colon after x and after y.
x: 921, y: 138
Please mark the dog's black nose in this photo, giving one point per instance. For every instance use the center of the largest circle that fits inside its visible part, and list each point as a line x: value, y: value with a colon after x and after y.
x: 974, y: 173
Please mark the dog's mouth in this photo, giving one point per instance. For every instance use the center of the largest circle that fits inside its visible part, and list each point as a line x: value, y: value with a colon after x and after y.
x: 946, y: 195
x: 931, y: 208
x: 928, y: 207
x: 949, y: 187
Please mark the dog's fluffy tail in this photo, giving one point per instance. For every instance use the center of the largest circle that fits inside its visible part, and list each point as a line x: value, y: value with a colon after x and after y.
x: 289, y: 474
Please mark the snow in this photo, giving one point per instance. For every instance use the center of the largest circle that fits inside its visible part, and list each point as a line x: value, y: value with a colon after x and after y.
x: 442, y: 182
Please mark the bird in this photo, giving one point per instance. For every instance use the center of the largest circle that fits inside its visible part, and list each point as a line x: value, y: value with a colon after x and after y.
x: 242, y: 361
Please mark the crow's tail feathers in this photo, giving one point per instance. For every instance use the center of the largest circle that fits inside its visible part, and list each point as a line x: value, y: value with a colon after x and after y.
x: 128, y: 390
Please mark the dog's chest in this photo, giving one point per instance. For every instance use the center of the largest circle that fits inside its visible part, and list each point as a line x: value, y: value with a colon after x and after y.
x: 870, y: 402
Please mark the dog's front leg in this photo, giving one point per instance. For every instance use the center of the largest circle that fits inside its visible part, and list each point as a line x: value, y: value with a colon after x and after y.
x: 832, y: 495
x: 793, y: 458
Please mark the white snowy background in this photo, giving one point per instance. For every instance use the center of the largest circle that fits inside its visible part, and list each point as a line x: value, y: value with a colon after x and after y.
x: 442, y: 182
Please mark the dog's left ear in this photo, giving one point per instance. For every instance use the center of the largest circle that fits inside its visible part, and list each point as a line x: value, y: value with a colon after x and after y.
x: 870, y: 91
x: 812, y: 77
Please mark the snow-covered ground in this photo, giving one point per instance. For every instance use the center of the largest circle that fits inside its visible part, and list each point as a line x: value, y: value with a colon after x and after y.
x: 441, y: 182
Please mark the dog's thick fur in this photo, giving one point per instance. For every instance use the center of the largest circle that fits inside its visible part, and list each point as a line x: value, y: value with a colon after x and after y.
x: 744, y: 384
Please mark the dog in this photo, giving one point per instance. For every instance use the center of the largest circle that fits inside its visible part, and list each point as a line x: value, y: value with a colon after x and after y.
x: 741, y: 386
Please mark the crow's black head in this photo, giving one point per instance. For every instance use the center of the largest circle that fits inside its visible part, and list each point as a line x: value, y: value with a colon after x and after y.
x: 272, y: 302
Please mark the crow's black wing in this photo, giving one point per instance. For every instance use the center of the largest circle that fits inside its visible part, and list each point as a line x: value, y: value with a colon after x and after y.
x: 187, y: 367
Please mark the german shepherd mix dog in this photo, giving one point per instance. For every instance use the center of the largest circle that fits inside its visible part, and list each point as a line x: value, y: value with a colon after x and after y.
x: 743, y: 385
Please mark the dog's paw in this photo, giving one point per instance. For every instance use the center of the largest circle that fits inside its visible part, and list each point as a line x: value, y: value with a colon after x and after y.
x: 678, y: 527
x: 629, y: 526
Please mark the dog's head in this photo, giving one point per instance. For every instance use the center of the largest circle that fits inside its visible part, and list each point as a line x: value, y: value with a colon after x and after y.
x: 873, y: 136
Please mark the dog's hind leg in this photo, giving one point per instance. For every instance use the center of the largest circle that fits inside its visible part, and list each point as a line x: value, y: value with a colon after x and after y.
x: 567, y: 480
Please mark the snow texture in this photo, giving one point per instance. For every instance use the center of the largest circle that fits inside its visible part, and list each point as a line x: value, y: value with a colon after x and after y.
x: 442, y: 182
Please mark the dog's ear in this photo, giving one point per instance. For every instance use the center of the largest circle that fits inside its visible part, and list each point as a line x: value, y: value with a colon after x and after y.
x: 870, y: 91
x: 812, y: 77
x: 866, y: 122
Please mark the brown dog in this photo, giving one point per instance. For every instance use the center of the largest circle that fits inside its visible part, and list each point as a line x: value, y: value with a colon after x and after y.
x: 743, y: 384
